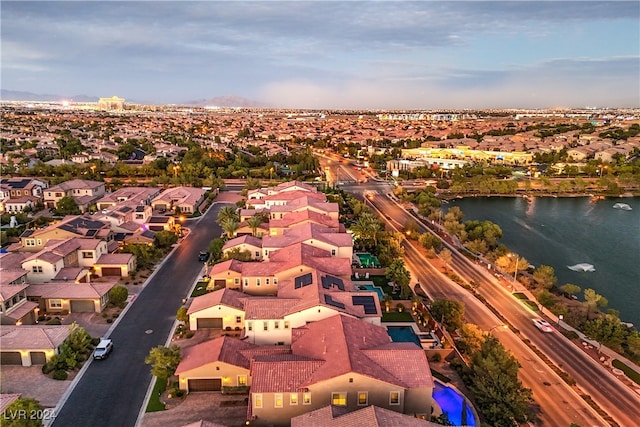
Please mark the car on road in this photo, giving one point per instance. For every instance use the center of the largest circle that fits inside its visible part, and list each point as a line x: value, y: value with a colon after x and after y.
x: 104, y: 348
x: 543, y: 325
x: 204, y: 256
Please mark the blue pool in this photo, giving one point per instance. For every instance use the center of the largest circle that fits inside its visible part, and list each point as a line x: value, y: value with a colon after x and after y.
x: 454, y: 405
x: 403, y: 334
x: 375, y: 289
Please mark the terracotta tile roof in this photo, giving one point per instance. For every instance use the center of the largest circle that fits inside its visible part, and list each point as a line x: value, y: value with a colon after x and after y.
x: 70, y: 290
x: 296, y: 217
x: 119, y: 259
x: 12, y: 260
x: 246, y: 239
x: 78, y: 184
x: 70, y: 273
x: 371, y: 416
x: 286, y: 196
x: 268, y: 308
x: 284, y: 373
x: 223, y: 267
x: 285, y: 185
x: 307, y: 232
x: 28, y: 337
x: 228, y: 297
x: 7, y: 399
x: 306, y: 202
x: 405, y: 361
x: 223, y: 349
x: 7, y: 276
x: 88, y: 244
x: 19, y: 312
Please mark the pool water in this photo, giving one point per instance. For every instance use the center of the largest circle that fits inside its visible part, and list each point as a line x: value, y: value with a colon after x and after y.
x: 403, y: 334
x: 453, y: 404
x: 375, y: 289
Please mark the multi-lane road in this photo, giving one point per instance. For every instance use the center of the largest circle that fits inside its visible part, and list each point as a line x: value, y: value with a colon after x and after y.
x: 111, y: 392
x: 558, y: 403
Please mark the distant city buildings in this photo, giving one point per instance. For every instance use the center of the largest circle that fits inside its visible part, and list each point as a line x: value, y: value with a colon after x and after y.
x: 113, y: 103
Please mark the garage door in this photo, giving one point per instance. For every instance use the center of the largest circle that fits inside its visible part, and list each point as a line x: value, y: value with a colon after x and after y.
x: 111, y: 271
x: 219, y: 283
x: 82, y: 306
x: 210, y: 323
x: 10, y: 358
x: 214, y: 384
x: 38, y: 358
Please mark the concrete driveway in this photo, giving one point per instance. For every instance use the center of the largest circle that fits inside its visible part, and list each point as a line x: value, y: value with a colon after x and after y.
x: 201, y: 406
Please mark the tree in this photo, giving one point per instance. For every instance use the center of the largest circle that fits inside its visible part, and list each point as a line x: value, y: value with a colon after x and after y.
x: 79, y: 339
x: 449, y: 312
x: 230, y: 226
x: 163, y: 361
x: 471, y: 339
x: 226, y: 213
x: 398, y: 273
x: 67, y: 206
x: 254, y: 223
x: 365, y: 230
x: 607, y: 330
x: 593, y: 300
x: 545, y: 276
x: 495, y: 385
x: 633, y: 342
x: 446, y: 257
x: 570, y: 289
x: 21, y: 413
x: 181, y: 315
x: 411, y: 229
x: 164, y: 238
x: 118, y: 294
x: 215, y: 249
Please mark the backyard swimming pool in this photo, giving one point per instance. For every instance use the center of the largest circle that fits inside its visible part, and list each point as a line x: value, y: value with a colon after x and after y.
x: 454, y: 405
x: 368, y: 260
x: 403, y: 334
x: 375, y: 289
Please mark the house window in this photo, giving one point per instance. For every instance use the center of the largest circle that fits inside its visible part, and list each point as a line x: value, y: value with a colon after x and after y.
x: 276, y: 324
x: 246, y: 282
x: 339, y: 399
x: 250, y: 326
x: 286, y: 324
x: 257, y: 282
x: 257, y: 400
x: 37, y: 268
x: 242, y: 380
x: 363, y: 398
x: 55, y: 303
x: 275, y: 280
x: 266, y: 281
x: 306, y: 398
x: 257, y: 254
x: 265, y: 326
x: 87, y: 254
x: 238, y: 319
x: 30, y: 242
x: 333, y: 252
x: 394, y: 398
x: 39, y: 242
x: 293, y: 399
x: 277, y: 401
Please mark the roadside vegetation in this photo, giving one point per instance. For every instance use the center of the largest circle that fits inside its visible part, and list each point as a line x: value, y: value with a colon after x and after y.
x: 73, y: 352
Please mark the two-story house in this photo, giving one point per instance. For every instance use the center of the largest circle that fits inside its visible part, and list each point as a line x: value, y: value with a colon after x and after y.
x: 84, y: 192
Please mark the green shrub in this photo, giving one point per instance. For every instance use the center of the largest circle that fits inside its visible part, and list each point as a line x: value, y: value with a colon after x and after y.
x: 633, y: 375
x: 118, y: 294
x: 109, y: 320
x: 436, y: 358
x: 54, y: 321
x: 116, y: 315
x: 60, y: 374
x: 190, y: 334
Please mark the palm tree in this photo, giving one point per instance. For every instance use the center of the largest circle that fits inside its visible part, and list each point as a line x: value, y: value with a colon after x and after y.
x: 230, y: 226
x: 227, y: 212
x: 365, y: 229
x: 254, y: 222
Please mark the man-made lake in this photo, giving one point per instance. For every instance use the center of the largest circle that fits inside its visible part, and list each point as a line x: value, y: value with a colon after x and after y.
x: 563, y: 232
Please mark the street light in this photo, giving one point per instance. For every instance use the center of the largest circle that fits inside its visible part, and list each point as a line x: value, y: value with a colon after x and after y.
x: 515, y: 273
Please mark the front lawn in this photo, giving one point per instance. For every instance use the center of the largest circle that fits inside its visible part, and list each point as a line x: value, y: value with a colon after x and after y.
x: 155, y: 404
x: 200, y: 289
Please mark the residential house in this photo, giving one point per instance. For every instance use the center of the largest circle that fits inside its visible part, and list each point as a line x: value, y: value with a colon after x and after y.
x: 245, y: 230
x: 277, y: 227
x: 71, y: 297
x: 15, y: 309
x: 160, y: 223
x: 84, y: 192
x: 128, y: 195
x: 43, y: 266
x: 220, y: 309
x: 120, y: 265
x: 283, y: 198
x: 261, y: 193
x: 29, y: 345
x: 17, y: 194
x: 71, y: 226
x: 304, y: 204
x: 245, y: 243
x: 339, y: 361
x: 214, y: 364
x: 184, y: 200
x: 338, y: 244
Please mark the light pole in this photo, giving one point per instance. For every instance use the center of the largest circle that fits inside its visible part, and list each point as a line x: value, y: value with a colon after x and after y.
x: 515, y: 273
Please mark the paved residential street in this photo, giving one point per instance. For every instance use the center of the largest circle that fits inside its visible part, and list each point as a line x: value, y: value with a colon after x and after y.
x: 111, y: 391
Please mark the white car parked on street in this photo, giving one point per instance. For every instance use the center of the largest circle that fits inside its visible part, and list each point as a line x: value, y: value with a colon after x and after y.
x: 543, y: 325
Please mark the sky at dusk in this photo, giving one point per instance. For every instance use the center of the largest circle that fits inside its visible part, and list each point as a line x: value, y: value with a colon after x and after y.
x: 325, y: 54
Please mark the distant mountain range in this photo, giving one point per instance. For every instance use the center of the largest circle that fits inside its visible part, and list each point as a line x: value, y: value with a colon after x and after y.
x: 16, y: 95
x: 228, y: 101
